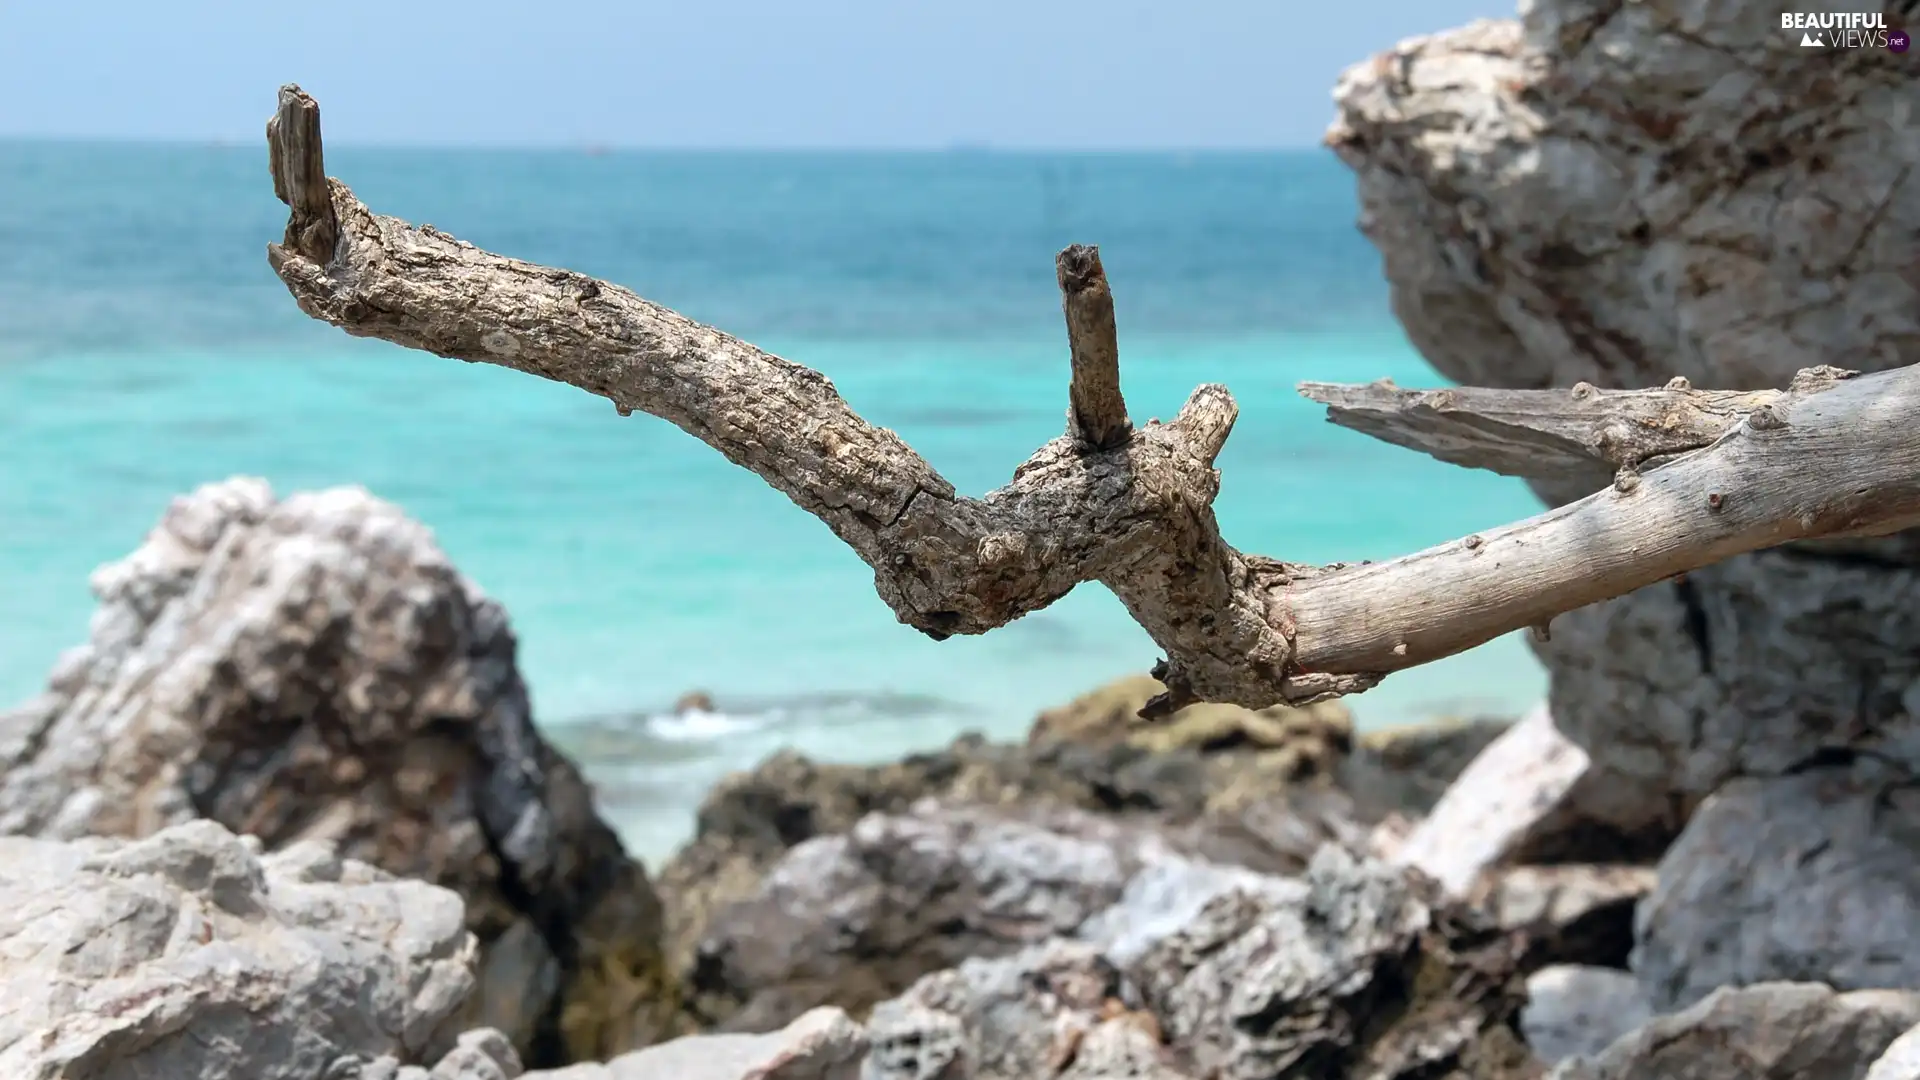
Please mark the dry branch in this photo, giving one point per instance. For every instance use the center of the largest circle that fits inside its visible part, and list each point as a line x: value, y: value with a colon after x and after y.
x: 1132, y: 508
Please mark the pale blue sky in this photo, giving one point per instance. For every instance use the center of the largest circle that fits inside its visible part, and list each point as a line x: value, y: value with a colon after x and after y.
x: 720, y: 73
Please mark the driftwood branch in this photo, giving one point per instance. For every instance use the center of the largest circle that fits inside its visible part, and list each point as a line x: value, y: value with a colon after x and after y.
x: 1131, y: 508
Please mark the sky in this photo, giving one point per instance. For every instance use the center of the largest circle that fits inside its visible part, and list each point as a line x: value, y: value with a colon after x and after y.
x: 1117, y: 74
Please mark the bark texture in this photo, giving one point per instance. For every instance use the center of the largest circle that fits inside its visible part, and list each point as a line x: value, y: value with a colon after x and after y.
x: 1128, y: 507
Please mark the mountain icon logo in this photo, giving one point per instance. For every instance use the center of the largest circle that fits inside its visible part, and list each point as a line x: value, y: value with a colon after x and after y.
x: 1811, y: 41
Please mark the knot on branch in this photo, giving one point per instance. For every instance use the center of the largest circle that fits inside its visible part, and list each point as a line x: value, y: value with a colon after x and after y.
x: 300, y: 175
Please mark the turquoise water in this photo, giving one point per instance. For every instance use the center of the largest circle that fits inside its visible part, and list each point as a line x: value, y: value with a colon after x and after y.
x: 146, y: 348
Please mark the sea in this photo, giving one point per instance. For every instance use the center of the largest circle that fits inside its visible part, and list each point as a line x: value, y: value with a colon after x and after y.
x: 146, y: 348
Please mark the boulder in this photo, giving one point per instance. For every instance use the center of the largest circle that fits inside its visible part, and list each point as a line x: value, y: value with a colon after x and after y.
x: 1407, y: 769
x: 314, y: 668
x: 853, y: 919
x: 1570, y: 914
x: 1533, y: 796
x: 1621, y: 194
x: 1769, y: 1031
x: 1362, y: 975
x: 822, y: 1044
x: 1901, y: 1061
x: 189, y: 954
x: 1809, y: 877
x: 1577, y: 1011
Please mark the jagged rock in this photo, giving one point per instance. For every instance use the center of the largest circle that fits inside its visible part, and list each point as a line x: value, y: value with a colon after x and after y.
x: 187, y: 954
x: 1313, y: 738
x: 1570, y: 914
x: 1575, y: 1011
x: 1055, y: 1010
x: 1810, y: 877
x: 822, y: 1044
x: 1407, y: 769
x: 1359, y: 978
x: 315, y: 668
x: 855, y: 918
x: 1770, y: 1031
x: 1532, y: 796
x: 1623, y: 193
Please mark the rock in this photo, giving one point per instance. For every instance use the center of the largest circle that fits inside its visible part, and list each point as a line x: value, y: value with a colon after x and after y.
x: 187, y: 954
x: 1810, y: 877
x: 694, y: 701
x: 1901, y: 1061
x: 1770, y: 1031
x: 1294, y: 742
x: 1361, y: 977
x: 823, y: 1044
x: 1532, y: 796
x: 1055, y: 1010
x: 315, y: 668
x: 855, y: 918
x: 1569, y: 914
x: 1575, y: 1010
x: 1493, y: 165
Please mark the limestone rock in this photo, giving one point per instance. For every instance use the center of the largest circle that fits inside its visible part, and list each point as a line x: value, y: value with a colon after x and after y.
x: 1407, y: 769
x: 1055, y: 1010
x: 1532, y: 794
x: 1296, y: 742
x: 1810, y: 877
x: 315, y: 668
x: 1362, y: 977
x: 822, y: 1044
x: 1769, y: 1031
x: 855, y: 918
x: 1623, y: 193
x: 188, y: 954
x: 1575, y: 1010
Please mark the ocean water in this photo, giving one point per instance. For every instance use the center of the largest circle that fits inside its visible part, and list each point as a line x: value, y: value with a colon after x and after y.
x: 146, y: 348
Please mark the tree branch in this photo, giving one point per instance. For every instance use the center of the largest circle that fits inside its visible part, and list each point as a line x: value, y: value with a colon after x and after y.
x: 1828, y: 457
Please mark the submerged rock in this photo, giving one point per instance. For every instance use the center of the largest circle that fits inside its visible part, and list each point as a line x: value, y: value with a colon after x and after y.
x: 188, y: 954
x: 315, y: 668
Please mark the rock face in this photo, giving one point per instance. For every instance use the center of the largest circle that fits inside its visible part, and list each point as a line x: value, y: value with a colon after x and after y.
x: 1359, y: 977
x: 1810, y: 877
x: 1771, y: 1031
x: 1622, y: 193
x: 316, y: 669
x: 188, y: 954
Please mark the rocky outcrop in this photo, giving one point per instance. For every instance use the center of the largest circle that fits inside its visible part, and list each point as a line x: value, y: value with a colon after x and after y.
x: 189, y: 954
x: 1810, y: 877
x: 1572, y: 913
x: 315, y: 669
x: 1770, y: 1031
x: 1623, y: 193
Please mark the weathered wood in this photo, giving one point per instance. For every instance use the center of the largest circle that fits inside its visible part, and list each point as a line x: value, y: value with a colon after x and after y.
x: 1828, y: 457
x: 1099, y: 412
x: 300, y: 175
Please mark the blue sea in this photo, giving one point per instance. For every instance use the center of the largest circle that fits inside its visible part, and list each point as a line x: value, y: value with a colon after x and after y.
x: 146, y: 348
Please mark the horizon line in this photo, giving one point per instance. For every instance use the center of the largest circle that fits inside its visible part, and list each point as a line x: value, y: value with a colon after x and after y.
x: 596, y: 147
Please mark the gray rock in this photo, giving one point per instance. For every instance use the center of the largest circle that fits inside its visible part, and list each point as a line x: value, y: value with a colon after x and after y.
x: 1901, y: 1061
x: 822, y: 1044
x: 1805, y: 878
x: 854, y: 919
x: 1053, y: 1010
x: 315, y: 668
x: 1361, y: 977
x: 1572, y: 913
x: 1166, y: 894
x: 1769, y: 1031
x: 1624, y: 193
x: 1575, y: 1011
x: 186, y: 954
